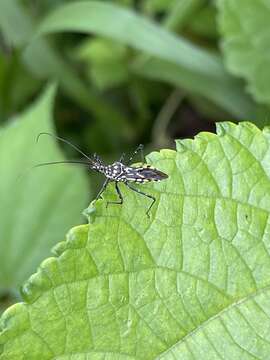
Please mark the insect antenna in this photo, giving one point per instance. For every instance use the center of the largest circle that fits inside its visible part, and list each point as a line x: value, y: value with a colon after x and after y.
x: 61, y: 162
x: 66, y: 142
x: 20, y: 176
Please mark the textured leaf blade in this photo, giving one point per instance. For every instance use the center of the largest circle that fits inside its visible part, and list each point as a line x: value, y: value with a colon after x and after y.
x: 245, y: 29
x: 141, y: 34
x: 33, y: 204
x: 238, y: 332
x: 191, y: 281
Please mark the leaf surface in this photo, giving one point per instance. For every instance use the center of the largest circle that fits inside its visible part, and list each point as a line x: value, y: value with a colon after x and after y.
x: 244, y: 25
x: 192, y: 280
x: 35, y: 205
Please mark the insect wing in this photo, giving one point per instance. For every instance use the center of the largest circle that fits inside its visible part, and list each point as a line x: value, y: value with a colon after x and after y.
x: 151, y: 174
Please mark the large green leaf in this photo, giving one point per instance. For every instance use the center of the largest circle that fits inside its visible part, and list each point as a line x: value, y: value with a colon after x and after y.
x: 192, y: 282
x: 245, y: 28
x: 38, y: 205
x: 131, y: 29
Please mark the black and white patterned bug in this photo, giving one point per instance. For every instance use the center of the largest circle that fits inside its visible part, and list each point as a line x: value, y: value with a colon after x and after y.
x: 116, y: 172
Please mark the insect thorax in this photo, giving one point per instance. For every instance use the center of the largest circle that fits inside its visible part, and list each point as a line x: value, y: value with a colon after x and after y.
x: 119, y: 172
x: 114, y: 171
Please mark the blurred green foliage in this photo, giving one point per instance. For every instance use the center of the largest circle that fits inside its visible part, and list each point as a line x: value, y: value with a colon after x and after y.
x: 111, y: 92
x: 36, y: 204
x: 132, y: 71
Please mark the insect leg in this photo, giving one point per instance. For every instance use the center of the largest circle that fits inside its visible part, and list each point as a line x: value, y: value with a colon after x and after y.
x: 102, y: 189
x: 139, y: 148
x: 122, y: 158
x: 142, y: 193
x: 120, y: 202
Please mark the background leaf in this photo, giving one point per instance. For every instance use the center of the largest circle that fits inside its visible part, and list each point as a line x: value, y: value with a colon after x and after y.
x: 43, y: 61
x: 38, y: 205
x: 141, y: 34
x: 192, y: 280
x: 105, y: 62
x: 161, y: 70
x: 244, y: 25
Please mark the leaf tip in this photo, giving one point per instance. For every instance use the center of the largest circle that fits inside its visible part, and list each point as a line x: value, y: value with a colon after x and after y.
x: 15, y: 319
x: 224, y: 127
x: 59, y: 248
x: 33, y: 287
x: 77, y: 237
x: 266, y: 131
x: 92, y: 210
x: 205, y: 136
x: 181, y: 145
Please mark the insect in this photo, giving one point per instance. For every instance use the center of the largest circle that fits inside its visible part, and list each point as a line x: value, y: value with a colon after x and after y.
x: 116, y: 172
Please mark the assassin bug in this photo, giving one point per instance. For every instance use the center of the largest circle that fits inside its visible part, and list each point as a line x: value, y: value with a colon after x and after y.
x: 116, y: 172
